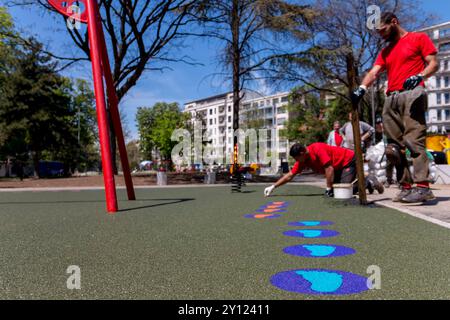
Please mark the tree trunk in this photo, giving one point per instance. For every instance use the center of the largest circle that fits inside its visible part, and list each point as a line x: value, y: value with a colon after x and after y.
x: 352, y: 81
x: 236, y: 68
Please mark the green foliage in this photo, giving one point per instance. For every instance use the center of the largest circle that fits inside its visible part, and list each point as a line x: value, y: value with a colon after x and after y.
x: 311, y: 118
x: 156, y: 125
x: 38, y: 110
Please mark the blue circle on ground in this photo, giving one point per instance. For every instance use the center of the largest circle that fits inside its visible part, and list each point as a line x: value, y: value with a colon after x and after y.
x: 310, y: 223
x: 319, y: 282
x: 319, y: 250
x: 267, y: 216
x: 311, y: 233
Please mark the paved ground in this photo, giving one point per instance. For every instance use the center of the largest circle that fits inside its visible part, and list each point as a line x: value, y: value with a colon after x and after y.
x: 436, y: 211
x: 194, y: 243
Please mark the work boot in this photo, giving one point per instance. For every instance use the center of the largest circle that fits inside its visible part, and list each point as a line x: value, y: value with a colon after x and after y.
x: 374, y: 184
x: 403, y: 193
x: 418, y: 195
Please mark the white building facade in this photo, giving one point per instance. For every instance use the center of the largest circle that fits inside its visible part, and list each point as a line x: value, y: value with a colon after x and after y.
x: 438, y: 86
x: 216, y: 114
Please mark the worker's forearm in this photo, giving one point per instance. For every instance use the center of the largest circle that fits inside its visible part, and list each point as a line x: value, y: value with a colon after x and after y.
x: 431, y: 69
x: 369, y: 79
x: 285, y: 179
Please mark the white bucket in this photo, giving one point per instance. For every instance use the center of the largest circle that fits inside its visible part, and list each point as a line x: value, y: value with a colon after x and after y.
x: 343, y: 191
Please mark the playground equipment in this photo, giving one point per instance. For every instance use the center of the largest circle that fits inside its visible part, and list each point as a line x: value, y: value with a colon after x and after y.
x: 439, y: 143
x: 87, y: 11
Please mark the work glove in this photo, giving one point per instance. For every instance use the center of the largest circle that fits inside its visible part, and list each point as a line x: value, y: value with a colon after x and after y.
x: 358, y: 94
x: 329, y: 193
x: 412, y: 82
x: 268, y: 190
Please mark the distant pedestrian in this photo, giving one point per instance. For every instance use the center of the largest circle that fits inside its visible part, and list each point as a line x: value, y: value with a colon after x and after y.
x: 335, y: 138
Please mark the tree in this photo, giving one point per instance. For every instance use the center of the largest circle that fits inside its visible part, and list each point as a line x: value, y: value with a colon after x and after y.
x: 142, y: 35
x: 242, y: 26
x: 156, y: 126
x: 307, y: 123
x: 342, y: 43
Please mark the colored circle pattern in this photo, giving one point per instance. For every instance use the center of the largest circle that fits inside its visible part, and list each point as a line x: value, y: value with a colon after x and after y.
x: 262, y: 216
x: 319, y: 250
x: 311, y: 233
x: 310, y: 223
x: 320, y: 282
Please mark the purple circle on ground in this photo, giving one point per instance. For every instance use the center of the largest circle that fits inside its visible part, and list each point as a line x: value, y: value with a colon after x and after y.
x: 268, y: 216
x: 319, y: 282
x: 311, y: 233
x: 319, y: 250
x: 310, y: 223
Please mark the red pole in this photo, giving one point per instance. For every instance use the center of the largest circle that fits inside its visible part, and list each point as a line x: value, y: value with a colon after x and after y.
x: 114, y: 109
x: 103, y: 128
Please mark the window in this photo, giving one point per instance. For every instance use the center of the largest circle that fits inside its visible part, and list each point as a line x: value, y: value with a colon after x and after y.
x: 427, y: 117
x: 438, y: 82
x: 447, y: 98
x: 215, y: 120
x: 275, y: 101
x: 444, y: 33
x: 229, y: 118
x: 281, y: 110
x: 446, y: 65
x: 438, y: 98
x: 444, y: 47
x: 210, y: 111
x: 447, y: 114
x: 210, y: 122
x: 229, y: 108
x: 446, y: 82
x: 215, y: 110
x: 284, y: 99
x: 439, y: 115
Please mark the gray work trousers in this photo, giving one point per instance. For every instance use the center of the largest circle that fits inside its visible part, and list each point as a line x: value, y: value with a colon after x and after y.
x: 404, y: 124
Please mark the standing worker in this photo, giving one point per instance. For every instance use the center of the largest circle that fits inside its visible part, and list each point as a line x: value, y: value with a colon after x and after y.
x: 366, y: 130
x: 409, y: 59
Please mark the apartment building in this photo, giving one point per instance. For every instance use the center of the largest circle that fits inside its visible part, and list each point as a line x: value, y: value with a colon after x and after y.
x: 256, y: 111
x: 438, y: 115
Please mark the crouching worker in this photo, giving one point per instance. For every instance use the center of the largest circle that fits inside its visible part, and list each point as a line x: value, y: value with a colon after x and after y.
x: 338, y: 164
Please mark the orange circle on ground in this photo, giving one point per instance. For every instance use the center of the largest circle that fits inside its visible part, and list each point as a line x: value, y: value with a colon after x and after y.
x: 270, y: 210
x: 262, y: 216
x: 274, y: 207
x: 278, y: 202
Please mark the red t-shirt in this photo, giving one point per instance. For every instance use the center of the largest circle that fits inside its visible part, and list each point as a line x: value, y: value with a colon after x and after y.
x: 321, y: 155
x: 338, y: 138
x: 405, y: 58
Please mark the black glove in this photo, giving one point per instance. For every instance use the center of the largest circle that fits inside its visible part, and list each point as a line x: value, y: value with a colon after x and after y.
x: 412, y: 82
x: 357, y: 95
x: 329, y: 193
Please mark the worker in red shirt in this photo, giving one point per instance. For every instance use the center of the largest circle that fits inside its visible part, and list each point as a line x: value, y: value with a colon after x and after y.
x: 337, y: 163
x: 409, y: 59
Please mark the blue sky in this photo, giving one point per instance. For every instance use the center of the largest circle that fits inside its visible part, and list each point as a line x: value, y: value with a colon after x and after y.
x: 185, y: 83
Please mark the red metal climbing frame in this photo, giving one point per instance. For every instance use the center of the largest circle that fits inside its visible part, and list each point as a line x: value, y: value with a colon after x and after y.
x: 87, y: 12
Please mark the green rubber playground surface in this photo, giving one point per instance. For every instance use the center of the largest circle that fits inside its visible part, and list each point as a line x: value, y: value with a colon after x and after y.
x: 195, y: 243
